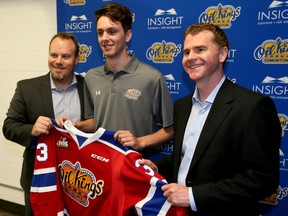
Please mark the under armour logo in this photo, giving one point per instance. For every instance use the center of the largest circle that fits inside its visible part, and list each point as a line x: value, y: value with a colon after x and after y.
x: 97, y: 92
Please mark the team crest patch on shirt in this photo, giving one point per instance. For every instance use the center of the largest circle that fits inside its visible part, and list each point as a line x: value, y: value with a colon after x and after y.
x: 62, y: 142
x: 79, y: 183
x: 133, y: 94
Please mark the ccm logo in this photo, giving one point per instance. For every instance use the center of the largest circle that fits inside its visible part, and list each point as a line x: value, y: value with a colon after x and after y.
x: 100, y: 158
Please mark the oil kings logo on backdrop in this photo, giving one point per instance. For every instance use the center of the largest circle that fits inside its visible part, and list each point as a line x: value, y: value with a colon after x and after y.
x: 172, y: 84
x: 276, y: 13
x: 284, y: 123
x: 282, y: 192
x: 165, y: 19
x: 84, y: 52
x: 75, y: 2
x: 78, y: 24
x: 220, y: 15
x: 163, y: 52
x: 276, y: 88
x: 272, y: 51
x: 79, y: 183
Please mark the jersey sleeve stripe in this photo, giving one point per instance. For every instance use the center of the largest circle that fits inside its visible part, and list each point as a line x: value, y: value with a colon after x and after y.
x: 44, y: 170
x: 154, y: 201
x: 43, y: 189
x: 43, y: 179
x: 165, y: 208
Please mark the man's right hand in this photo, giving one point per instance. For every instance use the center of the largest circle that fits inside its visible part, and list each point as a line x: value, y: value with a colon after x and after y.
x: 42, y: 126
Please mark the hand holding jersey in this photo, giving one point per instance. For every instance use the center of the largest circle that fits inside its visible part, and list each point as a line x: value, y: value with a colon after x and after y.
x: 91, y: 173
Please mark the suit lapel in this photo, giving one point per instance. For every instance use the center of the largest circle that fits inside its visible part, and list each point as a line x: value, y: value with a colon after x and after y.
x: 45, y: 92
x: 219, y: 110
x: 183, y: 118
x: 183, y: 112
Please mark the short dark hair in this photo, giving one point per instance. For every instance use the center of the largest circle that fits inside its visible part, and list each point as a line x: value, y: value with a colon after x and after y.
x: 67, y: 36
x: 117, y: 13
x: 220, y: 36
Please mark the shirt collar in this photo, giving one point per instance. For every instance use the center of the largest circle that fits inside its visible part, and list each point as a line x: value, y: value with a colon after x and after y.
x: 210, y: 99
x: 74, y: 82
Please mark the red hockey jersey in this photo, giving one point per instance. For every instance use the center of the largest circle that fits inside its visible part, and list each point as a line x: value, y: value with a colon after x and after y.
x: 77, y: 173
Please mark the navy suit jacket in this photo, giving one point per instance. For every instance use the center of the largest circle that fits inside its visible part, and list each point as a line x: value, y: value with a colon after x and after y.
x: 236, y: 160
x: 32, y: 98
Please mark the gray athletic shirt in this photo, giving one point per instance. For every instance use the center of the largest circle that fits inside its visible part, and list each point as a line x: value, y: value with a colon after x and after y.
x: 136, y: 98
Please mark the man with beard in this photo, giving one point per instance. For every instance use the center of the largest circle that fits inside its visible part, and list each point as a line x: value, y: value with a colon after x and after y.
x: 37, y: 100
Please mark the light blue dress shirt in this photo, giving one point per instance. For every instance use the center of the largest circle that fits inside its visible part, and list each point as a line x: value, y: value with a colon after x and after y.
x: 192, y: 133
x: 66, y: 102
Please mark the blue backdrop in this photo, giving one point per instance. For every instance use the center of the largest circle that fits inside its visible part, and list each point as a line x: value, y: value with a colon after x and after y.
x: 258, y: 57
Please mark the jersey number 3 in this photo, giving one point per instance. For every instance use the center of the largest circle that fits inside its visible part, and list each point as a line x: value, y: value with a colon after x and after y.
x: 43, y: 152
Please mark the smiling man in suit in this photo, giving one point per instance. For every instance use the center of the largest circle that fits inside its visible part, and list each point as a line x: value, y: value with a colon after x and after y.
x: 226, y: 142
x: 36, y: 100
